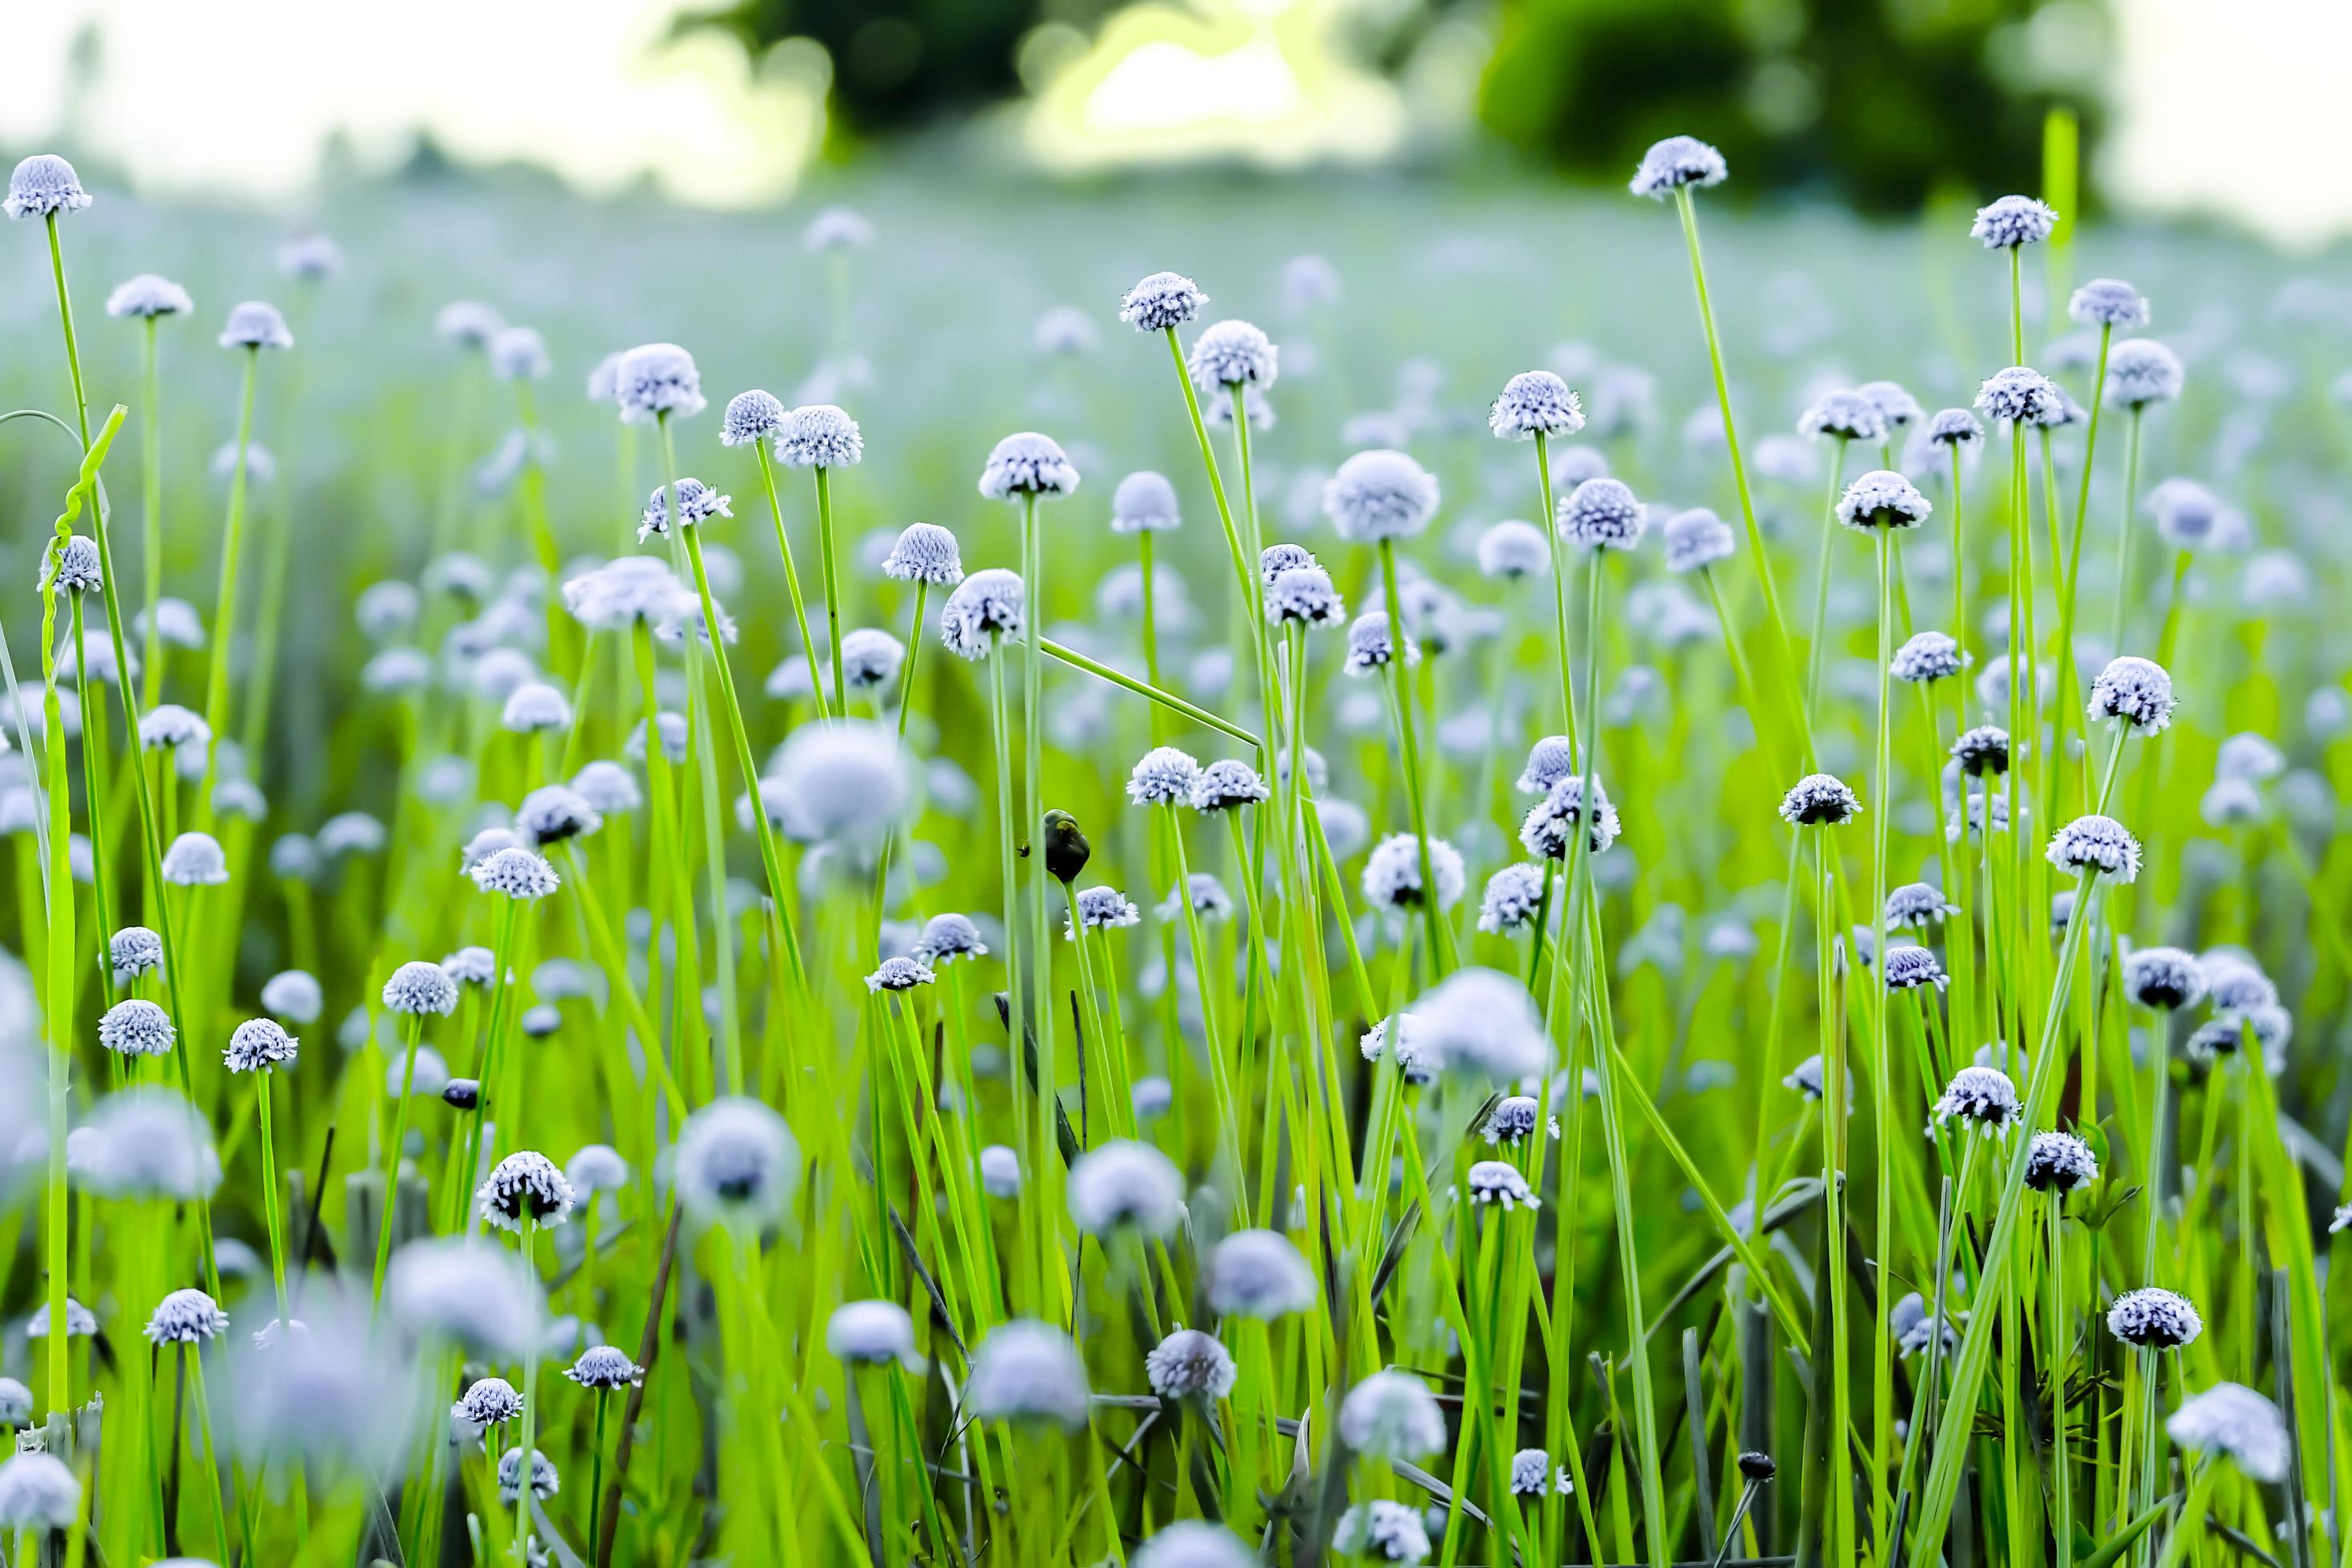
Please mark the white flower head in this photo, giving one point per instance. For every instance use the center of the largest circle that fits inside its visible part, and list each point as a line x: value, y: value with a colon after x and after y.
x: 1027, y: 464
x: 1122, y: 1186
x: 2232, y: 1419
x: 656, y: 380
x: 1535, y: 403
x: 1676, y: 163
x: 1380, y: 494
x: 1392, y: 1415
x: 1024, y: 1372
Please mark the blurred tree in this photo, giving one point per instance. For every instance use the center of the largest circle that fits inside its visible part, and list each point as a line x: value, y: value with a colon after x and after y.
x: 900, y: 63
x: 1879, y: 100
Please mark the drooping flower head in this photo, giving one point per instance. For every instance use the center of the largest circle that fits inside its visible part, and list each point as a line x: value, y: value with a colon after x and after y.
x: 1370, y: 646
x: 1601, y: 513
x: 948, y: 937
x: 899, y: 973
x: 925, y: 552
x: 1498, y: 1182
x: 655, y: 379
x: 1512, y: 897
x: 40, y: 186
x: 986, y: 607
x: 2009, y: 222
x: 2096, y: 844
x: 1535, y: 403
x: 1912, y: 969
x: 1380, y: 494
x: 1027, y: 464
x: 1548, y: 829
x: 1883, y: 498
x: 1676, y: 163
x: 1819, y: 799
x: 2153, y: 1319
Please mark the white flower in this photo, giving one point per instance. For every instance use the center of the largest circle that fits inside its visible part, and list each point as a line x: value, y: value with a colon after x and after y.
x: 1392, y: 1415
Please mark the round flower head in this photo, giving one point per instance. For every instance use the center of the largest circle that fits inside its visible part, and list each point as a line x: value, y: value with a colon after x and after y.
x: 1392, y: 873
x: 1144, y: 503
x: 258, y: 1045
x: 900, y: 974
x: 76, y: 566
x: 470, y: 324
x: 81, y: 1324
x: 986, y: 606
x: 1392, y: 1415
x: 692, y: 502
x: 596, y: 1168
x: 1916, y: 1328
x: 656, y: 379
x: 1193, y: 1543
x: 255, y: 325
x: 167, y: 726
x: 2141, y: 371
x: 1550, y: 827
x: 846, y: 780
x: 42, y: 185
x: 873, y: 1334
x: 518, y: 353
x: 1927, y: 656
x: 1190, y: 1364
x: 2234, y: 984
x: 543, y: 1481
x: 871, y: 657
x: 2186, y: 513
x: 553, y: 812
x: 1276, y: 559
x: 535, y: 708
x: 134, y: 950
x: 1100, y: 909
x: 1843, y: 415
x: 1370, y: 646
x: 136, y: 1028
x: 2010, y: 222
x: 293, y: 996
x: 1160, y: 301
x: 608, y: 787
x: 1883, y: 498
x: 1953, y: 428
x: 517, y: 873
x: 2058, y: 1162
x: 2020, y: 396
x: 1674, y: 162
x: 146, y: 297
x: 1980, y: 1099
x: 1602, y: 514
x: 752, y: 417
x: 37, y: 1492
x: 1549, y: 759
x: 1227, y: 783
x: 487, y: 1401
x: 1535, y: 403
x: 1499, y: 1182
x: 1065, y: 332
x: 1819, y: 799
x: 2232, y: 1419
x: 1513, y: 896
x: 2136, y: 693
x: 1165, y: 777
x: 999, y: 1172
x: 1513, y: 550
x: 2165, y: 978
x: 737, y: 1160
x: 2108, y: 303
x: 1481, y: 1023
x: 2153, y: 1319
x: 1259, y: 1274
x: 1120, y: 1184
x: 604, y: 1368
x: 186, y: 1317
x: 1981, y: 751
x: 820, y: 436
x: 925, y: 552
x: 2099, y: 845
x: 836, y: 228
x: 1024, y: 1371
x: 1304, y: 595
x: 1696, y: 538
x: 1895, y: 406
x: 1910, y: 968
x: 525, y: 1185
x: 948, y: 937
x: 1512, y: 1121
x: 149, y: 1142
x: 1027, y: 464
x: 1378, y: 495
x: 1917, y: 906
x: 1382, y: 1531
x: 1232, y: 353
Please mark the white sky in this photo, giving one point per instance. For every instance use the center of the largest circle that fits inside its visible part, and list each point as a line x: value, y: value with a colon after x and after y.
x: 238, y: 95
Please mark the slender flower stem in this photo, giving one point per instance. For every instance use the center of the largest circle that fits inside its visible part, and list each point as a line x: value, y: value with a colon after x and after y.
x: 2123, y: 530
x: 826, y: 554
x: 1440, y: 942
x: 151, y: 498
x: 411, y: 1035
x: 791, y: 577
x: 529, y: 1402
x: 224, y: 601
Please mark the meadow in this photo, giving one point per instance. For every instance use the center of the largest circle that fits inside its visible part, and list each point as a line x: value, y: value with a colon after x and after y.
x: 1790, y: 1011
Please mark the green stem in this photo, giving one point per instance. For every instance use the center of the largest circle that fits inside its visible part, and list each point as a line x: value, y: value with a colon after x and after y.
x: 832, y: 584
x: 224, y: 601
x: 791, y: 577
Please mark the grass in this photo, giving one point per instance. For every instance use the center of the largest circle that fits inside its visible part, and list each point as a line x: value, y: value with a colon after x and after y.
x: 1682, y: 1296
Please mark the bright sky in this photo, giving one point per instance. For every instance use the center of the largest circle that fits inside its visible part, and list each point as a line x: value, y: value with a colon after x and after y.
x: 239, y: 95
